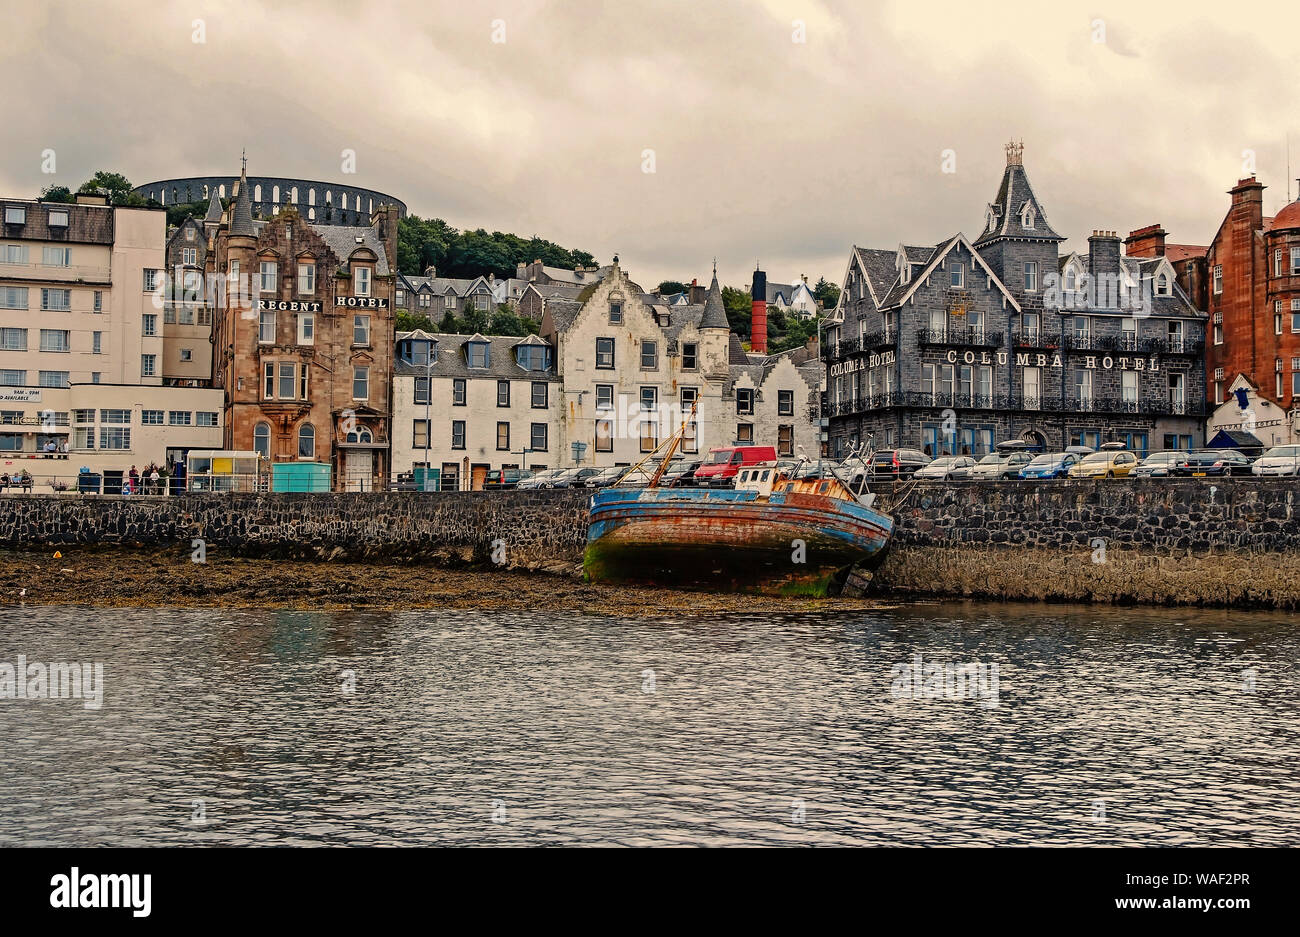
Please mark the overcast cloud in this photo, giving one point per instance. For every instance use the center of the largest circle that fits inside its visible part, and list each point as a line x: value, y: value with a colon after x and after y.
x: 764, y: 147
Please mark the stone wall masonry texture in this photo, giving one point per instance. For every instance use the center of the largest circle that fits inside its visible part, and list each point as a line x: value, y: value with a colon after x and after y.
x: 1181, y: 541
x: 535, y: 526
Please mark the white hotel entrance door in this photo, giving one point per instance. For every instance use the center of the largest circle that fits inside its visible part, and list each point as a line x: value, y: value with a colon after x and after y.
x: 358, y: 470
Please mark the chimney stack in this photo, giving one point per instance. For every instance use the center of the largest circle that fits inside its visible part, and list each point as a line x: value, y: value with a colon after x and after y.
x: 1146, y: 242
x: 1103, y: 253
x: 758, y: 313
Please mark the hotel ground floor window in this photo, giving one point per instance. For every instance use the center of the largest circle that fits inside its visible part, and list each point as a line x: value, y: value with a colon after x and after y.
x: 604, y: 436
x: 785, y: 440
x: 1136, y: 443
x: 1086, y: 437
x: 261, y: 439
x: 976, y: 440
x: 306, y: 441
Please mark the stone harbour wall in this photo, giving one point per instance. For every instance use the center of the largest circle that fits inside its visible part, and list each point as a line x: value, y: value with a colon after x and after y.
x: 1194, y: 541
x: 535, y: 526
x: 1179, y: 541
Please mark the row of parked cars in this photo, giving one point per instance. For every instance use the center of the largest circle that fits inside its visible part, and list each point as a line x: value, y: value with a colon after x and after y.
x: 1015, y: 460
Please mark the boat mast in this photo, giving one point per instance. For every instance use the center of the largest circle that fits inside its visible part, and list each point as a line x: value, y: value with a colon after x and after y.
x: 672, y: 446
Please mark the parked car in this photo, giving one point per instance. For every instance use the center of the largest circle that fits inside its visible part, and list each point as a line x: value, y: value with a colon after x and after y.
x: 506, y: 478
x: 541, y: 478
x: 572, y: 477
x: 946, y: 467
x: 1109, y: 463
x: 1050, y: 465
x: 1005, y: 463
x: 1280, y: 460
x: 723, y: 462
x: 630, y: 477
x: 1160, y: 465
x: 1202, y: 462
x: 681, y: 474
x: 897, y: 463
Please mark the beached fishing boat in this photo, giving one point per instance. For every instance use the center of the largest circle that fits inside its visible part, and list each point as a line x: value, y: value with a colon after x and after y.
x: 804, y: 532
x: 770, y: 534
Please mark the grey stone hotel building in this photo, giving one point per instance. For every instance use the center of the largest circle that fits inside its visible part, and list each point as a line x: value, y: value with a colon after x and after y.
x: 956, y: 347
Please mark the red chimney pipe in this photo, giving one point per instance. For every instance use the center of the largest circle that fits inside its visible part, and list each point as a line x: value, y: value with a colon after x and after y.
x: 758, y: 314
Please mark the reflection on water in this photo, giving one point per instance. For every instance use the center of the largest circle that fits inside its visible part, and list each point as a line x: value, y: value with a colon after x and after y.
x: 1110, y: 726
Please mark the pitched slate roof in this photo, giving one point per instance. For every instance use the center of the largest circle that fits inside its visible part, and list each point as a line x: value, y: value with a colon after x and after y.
x: 880, y: 269
x: 1175, y: 305
x: 563, y: 312
x: 452, y: 361
x: 342, y: 240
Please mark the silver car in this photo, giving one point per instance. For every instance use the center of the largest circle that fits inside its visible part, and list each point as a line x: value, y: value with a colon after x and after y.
x: 946, y: 467
x: 1280, y: 460
x: 1002, y: 464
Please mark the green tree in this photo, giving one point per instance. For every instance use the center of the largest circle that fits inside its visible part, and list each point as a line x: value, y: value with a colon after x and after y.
x: 505, y: 322
x: 57, y: 193
x: 739, y: 309
x: 530, y: 326
x: 826, y: 293
x: 179, y: 211
x: 410, y: 321
x: 114, y: 185
x: 450, y: 325
x: 476, y: 320
x: 671, y: 286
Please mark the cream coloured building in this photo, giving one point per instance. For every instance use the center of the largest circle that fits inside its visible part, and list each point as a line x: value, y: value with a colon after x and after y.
x: 107, y: 427
x: 465, y: 405
x: 632, y: 369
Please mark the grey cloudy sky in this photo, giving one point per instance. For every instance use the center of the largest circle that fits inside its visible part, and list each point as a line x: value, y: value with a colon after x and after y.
x: 764, y: 147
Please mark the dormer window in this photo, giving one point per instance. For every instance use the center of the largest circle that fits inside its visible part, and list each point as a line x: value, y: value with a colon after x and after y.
x: 476, y: 354
x: 992, y: 219
x: 1028, y: 216
x: 1162, y: 285
x: 417, y: 351
x: 1071, y: 278
x: 533, y: 357
x: 15, y: 214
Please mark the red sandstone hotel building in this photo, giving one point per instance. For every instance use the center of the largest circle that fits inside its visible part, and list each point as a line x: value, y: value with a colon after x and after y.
x: 1252, y: 273
x: 305, y: 354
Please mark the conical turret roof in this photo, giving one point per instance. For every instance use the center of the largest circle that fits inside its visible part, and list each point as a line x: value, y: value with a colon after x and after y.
x: 241, y: 216
x: 715, y: 313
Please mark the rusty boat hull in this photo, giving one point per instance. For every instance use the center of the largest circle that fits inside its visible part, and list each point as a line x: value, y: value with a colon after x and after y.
x: 732, y: 540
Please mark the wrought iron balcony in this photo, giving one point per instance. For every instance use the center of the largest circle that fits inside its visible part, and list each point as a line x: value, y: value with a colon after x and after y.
x: 970, y: 338
x: 1034, y: 338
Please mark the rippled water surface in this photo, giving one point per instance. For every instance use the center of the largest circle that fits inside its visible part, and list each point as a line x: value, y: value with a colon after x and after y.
x: 484, y: 729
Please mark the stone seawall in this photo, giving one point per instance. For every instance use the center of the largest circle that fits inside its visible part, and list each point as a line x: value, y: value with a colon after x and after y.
x: 1192, y: 541
x: 536, y: 526
x: 1182, y: 541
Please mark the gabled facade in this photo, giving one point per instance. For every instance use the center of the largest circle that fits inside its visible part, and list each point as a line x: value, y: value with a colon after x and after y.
x: 953, y: 348
x: 1253, y: 274
x: 304, y: 339
x: 632, y: 367
x: 465, y: 405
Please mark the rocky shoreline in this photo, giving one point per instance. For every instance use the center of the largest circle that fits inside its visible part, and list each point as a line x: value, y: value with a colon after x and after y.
x: 167, y: 577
